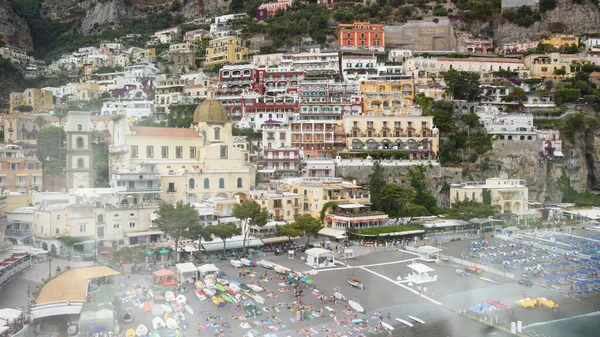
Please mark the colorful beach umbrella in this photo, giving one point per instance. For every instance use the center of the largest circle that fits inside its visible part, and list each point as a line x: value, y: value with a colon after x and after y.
x: 164, y: 251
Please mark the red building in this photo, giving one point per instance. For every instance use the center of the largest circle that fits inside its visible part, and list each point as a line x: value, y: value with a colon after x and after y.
x: 271, y: 8
x: 361, y: 34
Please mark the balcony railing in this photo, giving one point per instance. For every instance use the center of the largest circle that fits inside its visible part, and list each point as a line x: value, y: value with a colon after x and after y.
x: 359, y: 214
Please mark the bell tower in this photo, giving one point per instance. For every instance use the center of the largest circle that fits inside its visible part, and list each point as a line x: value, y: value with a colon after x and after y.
x: 80, y: 156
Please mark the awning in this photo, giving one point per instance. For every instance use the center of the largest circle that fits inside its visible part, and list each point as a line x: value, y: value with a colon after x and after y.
x: 145, y: 233
x: 277, y: 239
x: 185, y: 268
x: 333, y: 232
x: 558, y: 154
x: 419, y: 231
x: 218, y: 245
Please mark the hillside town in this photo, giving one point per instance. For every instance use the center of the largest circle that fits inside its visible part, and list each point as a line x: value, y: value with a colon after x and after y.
x: 376, y: 140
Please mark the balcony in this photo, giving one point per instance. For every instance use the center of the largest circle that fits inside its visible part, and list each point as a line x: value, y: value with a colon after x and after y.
x: 114, y: 149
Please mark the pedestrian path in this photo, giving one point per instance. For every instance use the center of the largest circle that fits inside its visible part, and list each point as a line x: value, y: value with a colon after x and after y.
x: 39, y: 271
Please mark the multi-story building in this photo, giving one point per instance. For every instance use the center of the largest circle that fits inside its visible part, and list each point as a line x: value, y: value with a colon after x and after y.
x: 361, y: 34
x: 546, y: 66
x: 167, y: 35
x: 134, y: 110
x: 357, y: 66
x: 221, y: 23
x: 426, y: 67
x: 314, y: 62
x: 516, y: 48
x: 318, y: 168
x: 413, y: 137
x: 549, y: 143
x: 561, y: 40
x: 193, y: 36
x: 39, y: 100
x: 284, y: 206
x: 507, y: 126
x: 354, y: 215
x: 226, y: 50
x: 475, y: 44
x: 167, y: 92
x: 20, y: 224
x: 270, y: 8
x: 127, y: 224
x: 592, y: 43
x: 194, y: 164
x: 508, y: 195
x: 80, y: 171
x: 276, y: 135
x: 19, y: 172
x: 494, y: 93
x: 83, y: 91
x: 389, y: 98
x: 183, y: 55
x: 399, y: 55
x: 16, y: 55
x: 56, y: 220
x: 278, y: 163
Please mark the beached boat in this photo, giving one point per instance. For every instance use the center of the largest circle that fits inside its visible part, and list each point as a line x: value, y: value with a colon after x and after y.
x: 171, y: 323
x: 251, y: 309
x: 246, y: 262
x: 199, y: 285
x: 416, y: 319
x: 259, y: 299
x: 236, y: 263
x: 222, y: 281
x: 526, y: 303
x: 229, y: 298
x: 166, y: 307
x: 130, y: 333
x: 355, y: 304
x: 169, y: 296
x: 546, y: 302
x: 338, y: 295
x: 158, y: 323
x: 489, y: 280
x: 157, y: 310
x: 179, y: 317
x: 497, y: 304
x: 256, y: 288
x: 209, y: 292
x: 234, y: 287
x: 127, y: 317
x: 244, y: 287
x: 387, y: 326
x: 461, y: 272
x: 217, y: 300
x: 356, y: 283
x: 220, y: 287
x: 266, y: 264
x: 189, y: 309
x: 281, y: 269
x: 141, y: 330
x: 201, y: 295
x: 404, y: 322
x: 181, y: 299
x: 222, y: 274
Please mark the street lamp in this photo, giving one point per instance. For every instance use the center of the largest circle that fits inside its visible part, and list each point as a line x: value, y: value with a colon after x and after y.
x: 49, y: 267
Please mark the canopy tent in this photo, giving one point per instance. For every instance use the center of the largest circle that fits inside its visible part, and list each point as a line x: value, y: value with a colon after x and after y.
x: 319, y: 258
x: 333, y: 232
x: 206, y: 269
x: 186, y: 272
x: 429, y: 253
x: 163, y: 273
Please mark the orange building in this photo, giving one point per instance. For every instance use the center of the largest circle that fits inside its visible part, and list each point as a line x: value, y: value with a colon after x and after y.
x: 361, y: 34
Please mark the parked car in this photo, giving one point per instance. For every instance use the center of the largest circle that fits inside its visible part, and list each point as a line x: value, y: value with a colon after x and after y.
x: 527, y: 283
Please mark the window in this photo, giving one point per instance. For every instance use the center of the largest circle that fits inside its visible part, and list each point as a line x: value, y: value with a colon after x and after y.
x: 171, y: 188
x: 79, y: 143
x: 134, y: 151
x: 191, y: 184
x: 221, y: 183
x: 116, y: 225
x: 79, y: 127
x: 217, y: 133
x: 164, y: 151
x: 223, y: 151
x: 57, y: 231
x: 132, y: 225
x: 178, y: 151
x: 13, y: 166
x: 206, y: 183
x: 82, y: 228
x: 239, y: 182
x: 192, y: 152
x: 80, y: 163
x: 100, y: 218
x: 31, y: 166
x: 149, y: 151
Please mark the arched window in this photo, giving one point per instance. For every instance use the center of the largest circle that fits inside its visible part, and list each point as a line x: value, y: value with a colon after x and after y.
x: 221, y: 183
x: 239, y: 182
x: 79, y: 142
x: 217, y: 133
x: 100, y: 218
x: 191, y: 184
x: 79, y: 127
x: 206, y: 183
x: 80, y: 163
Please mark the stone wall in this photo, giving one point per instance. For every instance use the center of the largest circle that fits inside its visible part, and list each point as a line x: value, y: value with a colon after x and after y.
x: 422, y: 35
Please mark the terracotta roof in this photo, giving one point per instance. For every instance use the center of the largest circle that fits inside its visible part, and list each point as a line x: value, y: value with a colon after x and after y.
x: 147, y: 131
x: 481, y: 59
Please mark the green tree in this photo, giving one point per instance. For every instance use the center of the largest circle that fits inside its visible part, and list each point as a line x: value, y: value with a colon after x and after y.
x: 180, y: 220
x: 470, y: 209
x: 308, y: 225
x: 69, y: 242
x: 462, y: 85
x: 560, y: 71
x: 486, y: 194
x: 395, y: 198
x: 376, y: 183
x: 443, y: 115
x: 251, y: 214
x: 24, y: 108
x: 567, y: 95
x: 53, y: 169
x: 471, y: 120
x: 50, y: 142
x: 424, y: 102
x: 224, y: 231
x: 40, y: 122
x: 423, y: 197
x: 289, y: 230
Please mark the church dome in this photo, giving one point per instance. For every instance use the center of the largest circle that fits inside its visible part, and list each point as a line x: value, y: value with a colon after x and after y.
x: 211, y: 111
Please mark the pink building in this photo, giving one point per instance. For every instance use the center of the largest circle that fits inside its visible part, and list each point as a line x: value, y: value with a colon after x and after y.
x: 475, y: 44
x: 271, y: 8
x: 516, y: 48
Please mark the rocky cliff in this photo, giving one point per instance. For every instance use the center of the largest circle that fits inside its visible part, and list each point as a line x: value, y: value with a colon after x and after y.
x: 13, y: 29
x: 568, y: 17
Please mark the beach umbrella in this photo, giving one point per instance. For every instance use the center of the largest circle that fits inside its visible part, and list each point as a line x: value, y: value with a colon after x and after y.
x: 164, y: 251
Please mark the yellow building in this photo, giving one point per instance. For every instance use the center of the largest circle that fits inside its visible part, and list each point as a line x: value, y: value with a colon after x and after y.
x: 388, y: 98
x: 319, y: 191
x: 192, y: 164
x: 562, y: 40
x: 226, y: 50
x: 85, y: 91
x: 39, y: 100
x: 281, y: 206
x: 508, y: 195
x: 548, y: 65
x: 410, y: 137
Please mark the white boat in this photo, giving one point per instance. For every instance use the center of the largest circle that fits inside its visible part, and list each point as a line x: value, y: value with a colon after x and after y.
x: 201, y: 295
x: 222, y: 281
x: 338, y: 295
x: 158, y: 323
x: 236, y: 263
x: 355, y: 304
x: 181, y: 299
x: 281, y: 269
x: 255, y: 288
x: 141, y: 330
x: 171, y: 323
x: 234, y: 287
x: 416, y: 319
x: 246, y: 262
x: 404, y: 322
x: 387, y: 326
x: 169, y: 296
x: 259, y: 299
x: 209, y: 292
x: 460, y: 272
x: 266, y: 264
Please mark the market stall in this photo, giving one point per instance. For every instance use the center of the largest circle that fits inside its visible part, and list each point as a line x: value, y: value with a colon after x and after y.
x: 186, y: 272
x: 207, y: 270
x: 319, y: 258
x: 165, y: 277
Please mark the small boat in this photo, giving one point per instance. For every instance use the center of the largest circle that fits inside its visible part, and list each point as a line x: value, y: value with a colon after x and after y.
x: 169, y: 296
x: 404, y: 322
x: 141, y: 330
x: 158, y: 323
x: 171, y: 323
x: 222, y: 281
x: 338, y: 295
x: 223, y: 274
x: 526, y: 303
x: 387, y: 326
x: 497, y: 304
x: 244, y: 287
x: 189, y: 309
x: 130, y: 333
x: 489, y: 280
x: 259, y: 299
x: 127, y: 317
x: 200, y: 285
x: 356, y: 283
x: 546, y: 302
x: 181, y: 299
x: 217, y: 300
x: 158, y: 310
x: 149, y: 293
x: 209, y: 292
x: 256, y: 288
x: 266, y: 264
x: 461, y: 272
x: 354, y: 304
x: 281, y: 269
x: 234, y: 287
x: 416, y: 319
x: 201, y: 295
x: 246, y: 262
x: 251, y: 309
x: 228, y: 298
x: 179, y: 317
x: 166, y: 307
x: 236, y: 263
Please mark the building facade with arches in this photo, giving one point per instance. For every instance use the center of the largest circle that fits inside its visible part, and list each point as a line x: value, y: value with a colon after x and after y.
x: 508, y: 195
x: 80, y: 170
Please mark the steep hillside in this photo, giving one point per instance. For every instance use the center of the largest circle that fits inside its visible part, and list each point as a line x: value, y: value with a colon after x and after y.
x: 13, y: 28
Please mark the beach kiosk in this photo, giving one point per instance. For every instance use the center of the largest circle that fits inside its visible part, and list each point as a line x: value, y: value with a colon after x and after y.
x: 165, y: 277
x: 429, y: 253
x: 420, y: 274
x: 186, y: 272
x: 319, y: 258
x: 207, y: 270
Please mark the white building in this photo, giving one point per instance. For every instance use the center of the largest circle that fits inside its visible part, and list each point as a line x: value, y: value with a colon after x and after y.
x: 221, y: 23
x: 314, y: 61
x: 133, y: 110
x: 399, y: 55
x: 509, y: 195
x: 276, y: 136
x: 166, y: 35
x: 592, y: 43
x: 318, y: 168
x: 507, y: 126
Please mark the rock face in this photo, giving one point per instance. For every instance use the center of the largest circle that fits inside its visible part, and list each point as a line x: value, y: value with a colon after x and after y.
x: 575, y: 18
x: 13, y: 29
